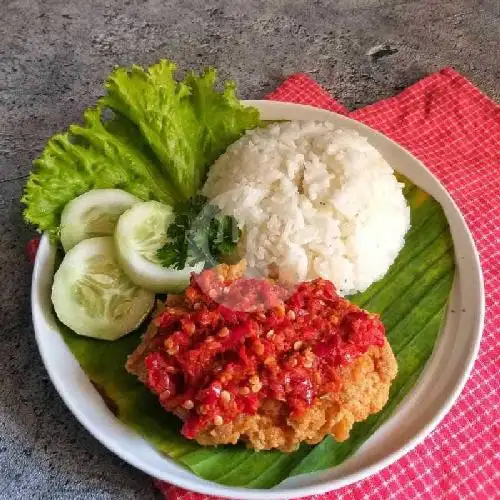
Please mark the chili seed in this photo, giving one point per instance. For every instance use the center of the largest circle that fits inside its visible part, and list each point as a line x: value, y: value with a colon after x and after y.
x: 255, y: 383
x: 225, y: 395
x: 223, y: 332
x: 189, y: 328
x: 188, y: 404
x: 291, y: 315
x: 270, y: 361
x: 218, y: 420
x: 256, y: 387
x: 297, y: 345
x: 244, y: 391
x: 269, y: 334
x: 259, y: 349
x: 334, y: 319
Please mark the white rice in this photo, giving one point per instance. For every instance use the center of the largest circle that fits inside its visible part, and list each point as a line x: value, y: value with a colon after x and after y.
x: 313, y: 199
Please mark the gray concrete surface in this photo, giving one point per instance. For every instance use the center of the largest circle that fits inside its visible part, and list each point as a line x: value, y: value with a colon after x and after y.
x: 54, y: 54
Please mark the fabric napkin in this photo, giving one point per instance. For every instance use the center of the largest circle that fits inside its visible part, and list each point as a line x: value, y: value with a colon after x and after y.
x: 454, y: 130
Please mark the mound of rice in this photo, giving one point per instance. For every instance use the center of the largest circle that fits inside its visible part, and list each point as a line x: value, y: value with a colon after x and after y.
x: 314, y: 200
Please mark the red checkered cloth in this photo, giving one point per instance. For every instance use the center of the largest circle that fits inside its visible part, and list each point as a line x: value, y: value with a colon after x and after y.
x: 455, y: 130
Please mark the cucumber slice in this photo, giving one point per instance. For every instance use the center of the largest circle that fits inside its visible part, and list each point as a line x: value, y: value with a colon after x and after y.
x: 93, y: 296
x: 92, y: 214
x: 140, y: 232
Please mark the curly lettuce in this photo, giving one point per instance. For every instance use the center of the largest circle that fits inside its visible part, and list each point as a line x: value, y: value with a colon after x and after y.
x: 156, y: 143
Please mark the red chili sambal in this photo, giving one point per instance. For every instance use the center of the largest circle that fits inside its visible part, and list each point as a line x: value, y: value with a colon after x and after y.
x: 231, y: 344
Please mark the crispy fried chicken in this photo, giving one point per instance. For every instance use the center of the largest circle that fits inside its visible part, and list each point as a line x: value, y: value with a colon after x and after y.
x: 361, y: 385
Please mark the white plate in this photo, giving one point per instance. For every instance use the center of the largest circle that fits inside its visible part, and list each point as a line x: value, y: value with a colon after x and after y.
x: 420, y: 412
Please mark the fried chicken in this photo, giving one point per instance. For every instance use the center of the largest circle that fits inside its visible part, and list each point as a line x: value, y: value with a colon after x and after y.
x: 364, y: 389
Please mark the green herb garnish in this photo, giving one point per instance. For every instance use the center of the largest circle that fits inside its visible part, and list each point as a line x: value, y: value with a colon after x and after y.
x: 199, y: 233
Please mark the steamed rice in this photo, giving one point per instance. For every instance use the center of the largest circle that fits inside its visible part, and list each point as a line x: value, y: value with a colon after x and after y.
x: 313, y: 199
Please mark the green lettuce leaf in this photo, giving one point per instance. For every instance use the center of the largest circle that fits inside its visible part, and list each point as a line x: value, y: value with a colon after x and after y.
x: 411, y: 299
x: 88, y: 156
x: 187, y: 124
x: 157, y: 144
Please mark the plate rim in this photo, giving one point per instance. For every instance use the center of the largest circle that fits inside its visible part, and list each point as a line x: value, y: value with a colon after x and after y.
x: 212, y: 488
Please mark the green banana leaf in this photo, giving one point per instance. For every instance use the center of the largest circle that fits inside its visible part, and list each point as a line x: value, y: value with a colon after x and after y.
x: 411, y: 299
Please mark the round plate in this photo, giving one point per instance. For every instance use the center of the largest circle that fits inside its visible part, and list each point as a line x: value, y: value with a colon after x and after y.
x: 422, y: 409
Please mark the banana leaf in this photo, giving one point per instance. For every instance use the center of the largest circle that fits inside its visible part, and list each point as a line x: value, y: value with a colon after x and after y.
x: 411, y: 299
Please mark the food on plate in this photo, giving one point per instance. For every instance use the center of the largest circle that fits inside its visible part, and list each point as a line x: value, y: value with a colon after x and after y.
x: 302, y: 201
x: 248, y: 359
x: 94, y: 213
x: 314, y: 199
x: 141, y: 231
x: 93, y: 296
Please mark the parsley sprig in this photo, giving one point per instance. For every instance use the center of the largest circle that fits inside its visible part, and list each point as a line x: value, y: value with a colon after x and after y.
x: 199, y: 233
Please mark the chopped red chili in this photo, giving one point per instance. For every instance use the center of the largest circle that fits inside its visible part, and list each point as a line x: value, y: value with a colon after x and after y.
x: 233, y: 344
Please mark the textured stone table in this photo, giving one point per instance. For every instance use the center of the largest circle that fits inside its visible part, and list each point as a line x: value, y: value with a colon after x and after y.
x: 54, y: 54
